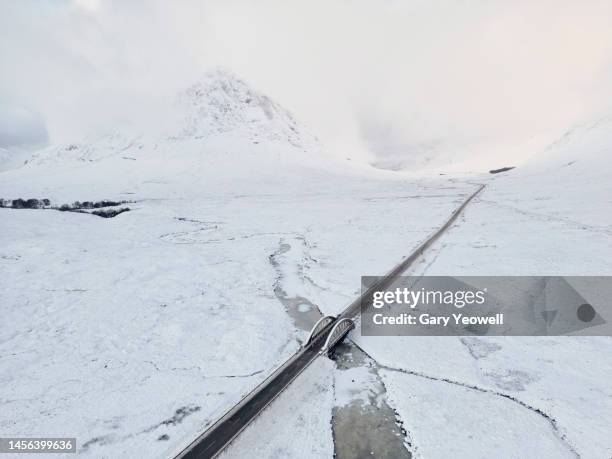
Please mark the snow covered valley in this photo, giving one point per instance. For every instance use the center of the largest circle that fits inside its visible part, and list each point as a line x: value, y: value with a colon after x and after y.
x: 134, y: 333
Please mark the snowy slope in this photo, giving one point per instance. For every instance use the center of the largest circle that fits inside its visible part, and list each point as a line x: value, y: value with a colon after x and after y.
x: 12, y: 158
x: 523, y: 397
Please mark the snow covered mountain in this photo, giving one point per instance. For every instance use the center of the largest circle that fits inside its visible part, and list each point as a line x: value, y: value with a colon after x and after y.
x: 218, y: 104
x: 221, y: 132
x: 221, y: 102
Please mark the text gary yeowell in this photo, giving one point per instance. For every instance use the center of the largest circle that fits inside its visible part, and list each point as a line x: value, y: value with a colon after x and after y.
x: 413, y: 298
x: 428, y: 319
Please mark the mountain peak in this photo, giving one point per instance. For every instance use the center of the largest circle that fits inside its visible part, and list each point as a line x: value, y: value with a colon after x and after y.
x: 221, y: 102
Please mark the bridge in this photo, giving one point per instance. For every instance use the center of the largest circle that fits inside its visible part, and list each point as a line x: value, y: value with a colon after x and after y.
x: 325, y: 334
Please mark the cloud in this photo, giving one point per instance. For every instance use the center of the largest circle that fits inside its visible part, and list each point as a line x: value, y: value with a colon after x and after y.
x: 20, y: 127
x: 378, y: 77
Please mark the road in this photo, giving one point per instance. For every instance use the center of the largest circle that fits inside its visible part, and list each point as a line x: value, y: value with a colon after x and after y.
x: 223, y: 431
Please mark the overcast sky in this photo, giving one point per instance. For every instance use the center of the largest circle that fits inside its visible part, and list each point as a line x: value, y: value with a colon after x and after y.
x: 388, y: 76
